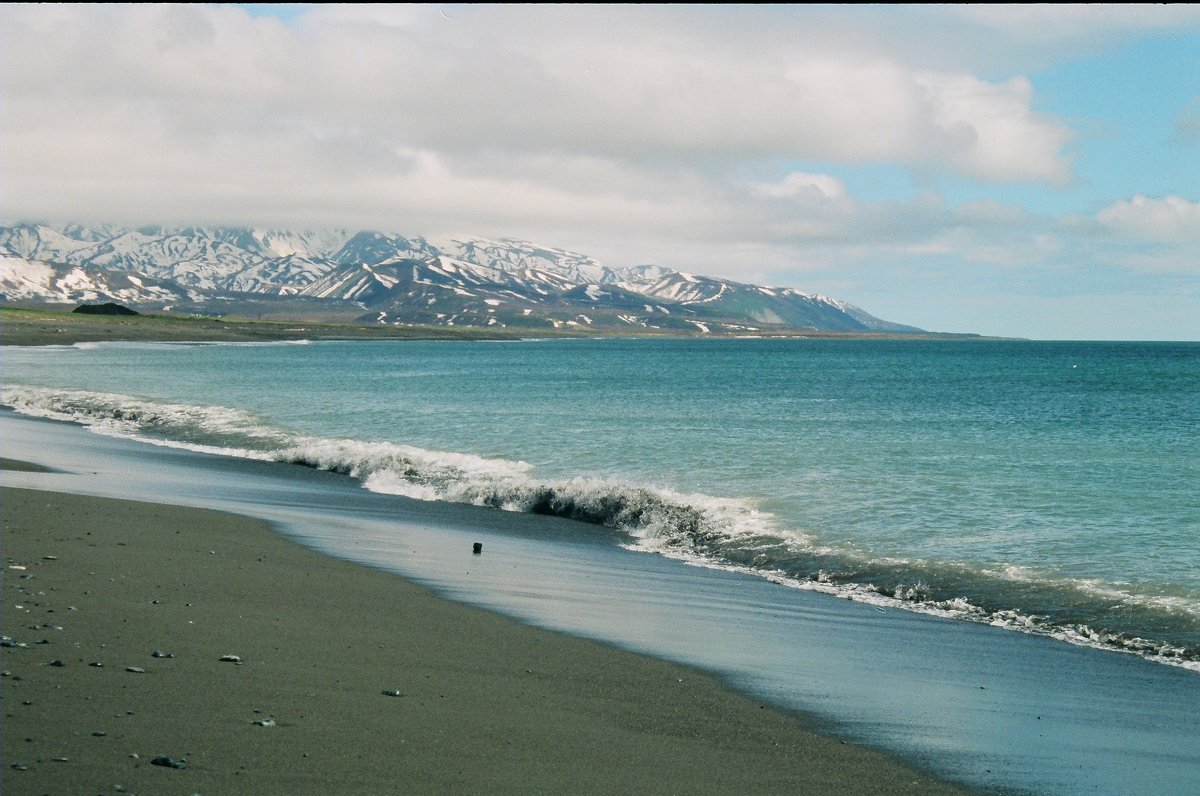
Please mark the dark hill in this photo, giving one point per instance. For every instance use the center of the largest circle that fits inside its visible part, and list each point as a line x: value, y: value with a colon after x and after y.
x: 104, y: 309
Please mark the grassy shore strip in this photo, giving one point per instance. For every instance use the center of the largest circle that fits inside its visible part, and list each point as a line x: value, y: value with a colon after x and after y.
x: 20, y: 326
x: 350, y: 680
x: 48, y: 327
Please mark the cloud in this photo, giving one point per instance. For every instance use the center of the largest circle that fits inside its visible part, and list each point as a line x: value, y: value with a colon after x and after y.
x: 533, y: 122
x: 993, y: 133
x: 801, y: 184
x: 115, y: 94
x: 1171, y: 219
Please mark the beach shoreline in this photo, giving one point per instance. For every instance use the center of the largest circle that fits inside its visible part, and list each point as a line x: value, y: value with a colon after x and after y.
x: 484, y: 704
x: 984, y: 707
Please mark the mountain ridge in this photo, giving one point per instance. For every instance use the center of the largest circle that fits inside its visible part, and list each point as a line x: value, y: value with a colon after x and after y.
x: 371, y: 276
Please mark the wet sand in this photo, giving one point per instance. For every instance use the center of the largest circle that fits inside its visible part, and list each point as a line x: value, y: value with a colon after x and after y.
x: 483, y: 703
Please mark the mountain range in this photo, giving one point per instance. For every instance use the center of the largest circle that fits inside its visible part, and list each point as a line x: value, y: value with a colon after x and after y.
x: 376, y: 277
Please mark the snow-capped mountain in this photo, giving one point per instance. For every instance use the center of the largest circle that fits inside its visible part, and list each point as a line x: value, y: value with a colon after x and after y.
x: 388, y: 278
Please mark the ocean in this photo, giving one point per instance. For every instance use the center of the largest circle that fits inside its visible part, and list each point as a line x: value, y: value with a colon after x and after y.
x: 1014, y: 525
x: 1046, y: 487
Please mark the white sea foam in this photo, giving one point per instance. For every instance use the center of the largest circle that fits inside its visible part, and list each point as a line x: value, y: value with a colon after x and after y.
x: 1111, y: 592
x: 123, y: 415
x: 396, y: 469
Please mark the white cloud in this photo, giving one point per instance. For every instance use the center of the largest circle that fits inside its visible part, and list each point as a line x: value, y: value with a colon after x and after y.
x: 523, y: 121
x: 537, y: 84
x: 992, y: 133
x: 1171, y: 219
x: 800, y: 184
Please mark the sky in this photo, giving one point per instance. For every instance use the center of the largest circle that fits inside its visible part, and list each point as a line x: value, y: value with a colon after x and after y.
x: 1028, y: 171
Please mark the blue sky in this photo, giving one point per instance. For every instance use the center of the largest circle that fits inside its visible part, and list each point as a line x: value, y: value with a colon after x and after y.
x: 1013, y: 170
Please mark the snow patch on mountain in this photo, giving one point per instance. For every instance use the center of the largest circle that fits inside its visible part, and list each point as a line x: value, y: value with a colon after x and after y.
x: 479, y: 281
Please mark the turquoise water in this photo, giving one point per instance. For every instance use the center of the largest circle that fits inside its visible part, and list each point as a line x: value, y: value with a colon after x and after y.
x: 1046, y: 487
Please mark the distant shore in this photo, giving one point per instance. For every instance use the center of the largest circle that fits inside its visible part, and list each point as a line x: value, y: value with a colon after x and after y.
x: 63, y: 327
x: 346, y: 678
x: 25, y: 326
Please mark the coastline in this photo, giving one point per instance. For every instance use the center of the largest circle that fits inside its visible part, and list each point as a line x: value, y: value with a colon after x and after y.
x: 486, y: 704
x: 21, y: 326
x: 32, y: 327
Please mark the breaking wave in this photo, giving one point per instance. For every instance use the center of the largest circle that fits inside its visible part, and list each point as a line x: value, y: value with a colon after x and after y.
x: 704, y: 530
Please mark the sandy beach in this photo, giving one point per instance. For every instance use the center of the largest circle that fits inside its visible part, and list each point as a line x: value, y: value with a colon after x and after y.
x: 346, y: 678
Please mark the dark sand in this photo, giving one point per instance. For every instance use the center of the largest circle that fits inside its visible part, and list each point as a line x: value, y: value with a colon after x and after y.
x: 486, y: 704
